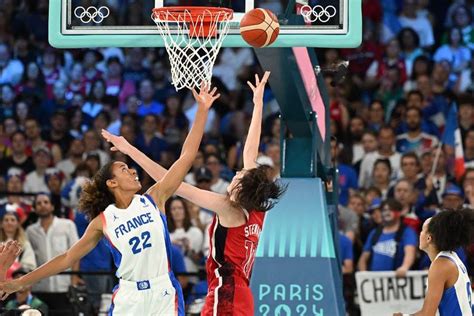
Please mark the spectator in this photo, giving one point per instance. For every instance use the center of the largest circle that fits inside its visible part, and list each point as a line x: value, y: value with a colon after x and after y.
x: 391, y: 247
x: 59, y: 132
x: 58, y: 102
x: 54, y: 179
x: 24, y: 297
x: 460, y: 16
x: 161, y: 81
x: 356, y: 130
x: 149, y: 141
x: 468, y: 186
x: 74, y: 158
x: 454, y: 52
x: 218, y: 184
x: 148, y: 105
x: 410, y: 168
x: 52, y: 71
x: 11, y: 69
x: 376, y: 116
x: 116, y: 85
x: 415, y: 140
x: 404, y: 192
x: 347, y: 175
x: 33, y: 133
x: 183, y: 234
x: 7, y: 101
x: 14, y: 201
x: 410, y: 47
x: 386, y: 145
x: 91, y: 73
x: 134, y: 70
x: 421, y: 24
x: 18, y: 158
x: 77, y: 83
x: 92, y: 144
x: 466, y: 113
x: 95, y: 101
x: 452, y: 198
x: 11, y: 230
x: 381, y: 175
x: 35, y: 180
x: 51, y: 236
x: 22, y: 112
x: 175, y: 124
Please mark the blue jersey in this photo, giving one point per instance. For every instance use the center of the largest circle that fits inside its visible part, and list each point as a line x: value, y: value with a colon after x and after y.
x: 456, y: 300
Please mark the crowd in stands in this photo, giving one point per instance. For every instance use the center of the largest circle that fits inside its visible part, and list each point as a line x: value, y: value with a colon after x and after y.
x: 388, y: 118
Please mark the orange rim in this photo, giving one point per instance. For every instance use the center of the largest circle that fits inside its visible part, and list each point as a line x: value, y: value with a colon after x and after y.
x: 194, y: 12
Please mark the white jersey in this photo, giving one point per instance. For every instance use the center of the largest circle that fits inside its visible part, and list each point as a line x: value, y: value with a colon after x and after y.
x: 456, y: 301
x: 137, y: 238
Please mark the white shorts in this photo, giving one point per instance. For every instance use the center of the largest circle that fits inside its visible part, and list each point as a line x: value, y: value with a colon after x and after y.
x: 149, y: 297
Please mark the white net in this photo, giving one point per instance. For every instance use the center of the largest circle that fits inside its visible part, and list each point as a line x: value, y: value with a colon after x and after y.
x: 192, y: 57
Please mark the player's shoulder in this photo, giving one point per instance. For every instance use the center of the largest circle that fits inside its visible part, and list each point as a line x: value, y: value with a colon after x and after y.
x: 443, y: 265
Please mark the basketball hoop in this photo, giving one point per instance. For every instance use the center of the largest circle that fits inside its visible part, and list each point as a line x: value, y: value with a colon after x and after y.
x: 193, y: 37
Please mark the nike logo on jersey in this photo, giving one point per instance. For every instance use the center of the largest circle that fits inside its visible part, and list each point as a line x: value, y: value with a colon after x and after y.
x: 165, y: 293
x: 115, y: 217
x: 132, y: 224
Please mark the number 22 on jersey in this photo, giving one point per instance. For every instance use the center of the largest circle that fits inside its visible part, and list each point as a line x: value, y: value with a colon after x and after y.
x: 140, y: 243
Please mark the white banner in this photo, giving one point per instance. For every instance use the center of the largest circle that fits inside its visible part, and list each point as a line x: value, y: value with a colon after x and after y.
x: 382, y: 294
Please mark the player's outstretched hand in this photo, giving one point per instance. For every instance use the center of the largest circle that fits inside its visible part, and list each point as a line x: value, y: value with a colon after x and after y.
x: 9, y: 287
x: 9, y: 251
x: 119, y: 142
x: 205, y: 98
x: 259, y: 87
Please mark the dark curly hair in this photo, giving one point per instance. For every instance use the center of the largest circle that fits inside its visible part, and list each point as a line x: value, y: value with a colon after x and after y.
x: 95, y: 195
x: 257, y: 191
x: 452, y: 229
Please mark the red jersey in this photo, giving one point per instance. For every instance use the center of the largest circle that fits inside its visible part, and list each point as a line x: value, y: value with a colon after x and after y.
x: 229, y: 265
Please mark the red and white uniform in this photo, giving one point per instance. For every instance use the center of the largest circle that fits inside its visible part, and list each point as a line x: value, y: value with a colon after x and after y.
x: 229, y: 266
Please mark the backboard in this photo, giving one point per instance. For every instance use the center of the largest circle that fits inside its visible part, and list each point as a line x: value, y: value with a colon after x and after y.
x: 127, y: 23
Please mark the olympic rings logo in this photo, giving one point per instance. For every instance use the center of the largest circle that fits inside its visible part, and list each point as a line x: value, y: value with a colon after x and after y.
x: 320, y: 13
x: 91, y: 14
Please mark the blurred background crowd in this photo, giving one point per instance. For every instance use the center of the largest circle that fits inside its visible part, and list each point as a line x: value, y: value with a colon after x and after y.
x: 389, y: 115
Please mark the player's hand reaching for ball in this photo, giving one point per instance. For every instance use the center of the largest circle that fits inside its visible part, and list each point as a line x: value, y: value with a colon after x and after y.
x: 119, y: 142
x: 259, y: 88
x: 204, y: 98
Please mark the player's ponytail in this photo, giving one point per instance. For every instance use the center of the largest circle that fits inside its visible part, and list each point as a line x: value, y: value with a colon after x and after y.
x: 452, y: 229
x: 257, y: 191
x: 95, y: 195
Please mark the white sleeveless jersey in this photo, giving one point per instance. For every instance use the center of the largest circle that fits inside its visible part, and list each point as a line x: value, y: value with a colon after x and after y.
x: 138, y: 238
x: 456, y: 300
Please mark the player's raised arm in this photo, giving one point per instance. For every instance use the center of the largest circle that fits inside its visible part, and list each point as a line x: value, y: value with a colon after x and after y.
x: 253, y: 138
x: 206, y: 199
x: 60, y: 263
x: 175, y: 175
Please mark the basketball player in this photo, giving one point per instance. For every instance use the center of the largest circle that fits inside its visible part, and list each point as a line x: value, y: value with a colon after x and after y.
x: 135, y: 229
x: 235, y: 230
x: 449, y: 287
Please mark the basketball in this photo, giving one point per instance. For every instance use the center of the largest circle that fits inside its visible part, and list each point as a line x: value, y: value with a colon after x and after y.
x: 259, y: 27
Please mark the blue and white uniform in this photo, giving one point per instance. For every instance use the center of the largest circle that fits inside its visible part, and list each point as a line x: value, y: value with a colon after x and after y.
x: 456, y: 300
x: 139, y: 241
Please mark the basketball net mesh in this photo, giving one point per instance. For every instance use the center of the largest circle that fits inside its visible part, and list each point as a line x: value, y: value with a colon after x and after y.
x: 192, y: 57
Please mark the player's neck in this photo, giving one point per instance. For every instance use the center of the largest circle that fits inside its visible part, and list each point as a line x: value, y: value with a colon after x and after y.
x: 432, y: 253
x: 123, y: 199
